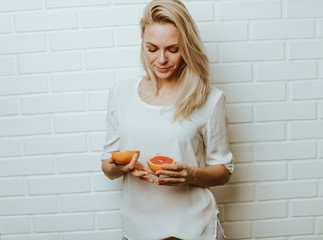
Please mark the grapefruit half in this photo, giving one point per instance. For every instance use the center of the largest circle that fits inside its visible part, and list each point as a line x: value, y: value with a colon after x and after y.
x: 155, y: 163
x: 124, y: 157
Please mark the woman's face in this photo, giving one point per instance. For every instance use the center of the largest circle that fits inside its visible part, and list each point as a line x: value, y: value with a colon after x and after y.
x: 160, y: 42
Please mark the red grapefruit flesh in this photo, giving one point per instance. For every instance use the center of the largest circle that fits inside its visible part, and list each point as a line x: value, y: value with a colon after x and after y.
x: 155, y: 163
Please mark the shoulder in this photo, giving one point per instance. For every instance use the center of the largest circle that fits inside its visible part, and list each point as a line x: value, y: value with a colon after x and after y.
x: 214, y: 96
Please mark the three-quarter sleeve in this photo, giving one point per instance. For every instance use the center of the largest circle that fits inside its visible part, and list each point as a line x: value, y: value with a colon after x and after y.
x: 112, y: 133
x: 216, y: 137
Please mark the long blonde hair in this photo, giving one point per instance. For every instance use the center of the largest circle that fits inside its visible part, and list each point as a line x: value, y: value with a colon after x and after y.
x: 193, y: 74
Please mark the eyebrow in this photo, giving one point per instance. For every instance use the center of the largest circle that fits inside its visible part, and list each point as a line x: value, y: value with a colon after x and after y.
x: 170, y: 46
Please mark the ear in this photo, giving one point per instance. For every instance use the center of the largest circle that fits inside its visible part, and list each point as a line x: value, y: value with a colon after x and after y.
x: 142, y: 36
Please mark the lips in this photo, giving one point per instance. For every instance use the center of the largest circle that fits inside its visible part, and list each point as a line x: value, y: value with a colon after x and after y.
x: 163, y: 69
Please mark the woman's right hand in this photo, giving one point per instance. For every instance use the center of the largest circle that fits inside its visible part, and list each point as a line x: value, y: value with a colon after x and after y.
x: 114, y: 170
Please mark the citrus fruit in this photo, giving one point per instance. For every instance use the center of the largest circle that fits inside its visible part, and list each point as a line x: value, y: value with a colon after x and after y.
x: 123, y: 157
x: 155, y: 163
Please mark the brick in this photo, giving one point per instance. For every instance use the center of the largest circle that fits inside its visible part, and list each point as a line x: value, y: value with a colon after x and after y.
x: 201, y: 11
x: 74, y: 3
x: 285, y: 111
x: 80, y: 122
x: 14, y: 225
x: 113, y: 16
x: 8, y: 106
x: 284, y: 151
x: 311, y: 49
x: 286, y: 190
x: 256, y: 211
x: 28, y: 205
x: 283, y: 30
x: 259, y: 172
x: 256, y: 132
x: 22, y: 44
x: 307, y: 207
x: 304, y: 8
x: 26, y: 166
x: 17, y: 5
x: 321, y: 29
x: 237, y: 52
x: 58, y: 185
x: 252, y: 92
x: 113, y: 58
x: 128, y: 36
x: 306, y: 130
x: 12, y: 187
x: 234, y: 193
x: 286, y: 71
x: 7, y: 67
x: 108, y: 220
x: 79, y: 163
x: 50, y: 20
x: 34, y: 237
x: 52, y: 103
x: 23, y: 84
x: 101, y: 235
x: 81, y: 39
x: 282, y: 227
x: 212, y: 52
x: 91, y: 202
x: 321, y: 150
x: 307, y: 169
x: 223, y: 32
x: 239, y: 113
x: 55, y: 144
x: 82, y: 81
x: 231, y: 73
x: 24, y: 126
x: 231, y: 10
x: 5, y: 24
x: 43, y: 63
x: 97, y: 141
x: 241, y: 152
x: 98, y: 101
x: 307, y: 90
x: 237, y: 230
x: 102, y: 183
x: 62, y: 222
x: 320, y: 226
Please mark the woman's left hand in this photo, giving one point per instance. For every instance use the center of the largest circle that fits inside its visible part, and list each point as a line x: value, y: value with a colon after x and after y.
x: 175, y: 174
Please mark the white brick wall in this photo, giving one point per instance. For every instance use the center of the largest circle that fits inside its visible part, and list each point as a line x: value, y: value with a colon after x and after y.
x: 58, y: 60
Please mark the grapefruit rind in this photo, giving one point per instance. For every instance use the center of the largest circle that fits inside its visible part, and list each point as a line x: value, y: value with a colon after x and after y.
x: 158, y: 166
x: 123, y: 157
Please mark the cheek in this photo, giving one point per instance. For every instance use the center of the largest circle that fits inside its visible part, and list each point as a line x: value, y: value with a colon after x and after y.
x: 149, y: 56
x: 178, y: 60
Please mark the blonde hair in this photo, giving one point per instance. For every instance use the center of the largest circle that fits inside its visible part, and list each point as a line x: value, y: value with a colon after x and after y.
x: 193, y: 74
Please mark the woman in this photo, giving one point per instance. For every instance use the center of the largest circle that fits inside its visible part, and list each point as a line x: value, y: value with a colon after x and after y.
x: 171, y: 111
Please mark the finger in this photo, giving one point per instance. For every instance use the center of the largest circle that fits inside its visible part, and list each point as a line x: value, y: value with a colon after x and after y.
x: 168, y: 173
x: 147, y: 179
x: 133, y: 161
x: 170, y: 181
x: 110, y: 160
x: 174, y: 167
x: 138, y: 173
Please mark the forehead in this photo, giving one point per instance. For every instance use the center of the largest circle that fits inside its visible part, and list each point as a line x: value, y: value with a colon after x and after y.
x: 161, y: 33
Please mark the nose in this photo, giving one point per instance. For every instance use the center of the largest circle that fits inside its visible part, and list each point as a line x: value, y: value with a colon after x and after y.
x: 162, y: 58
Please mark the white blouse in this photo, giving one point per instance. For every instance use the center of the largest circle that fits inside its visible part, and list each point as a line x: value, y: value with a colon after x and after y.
x: 150, y: 211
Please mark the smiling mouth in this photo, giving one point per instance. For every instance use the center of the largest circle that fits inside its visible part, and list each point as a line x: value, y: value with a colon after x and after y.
x: 163, y: 69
